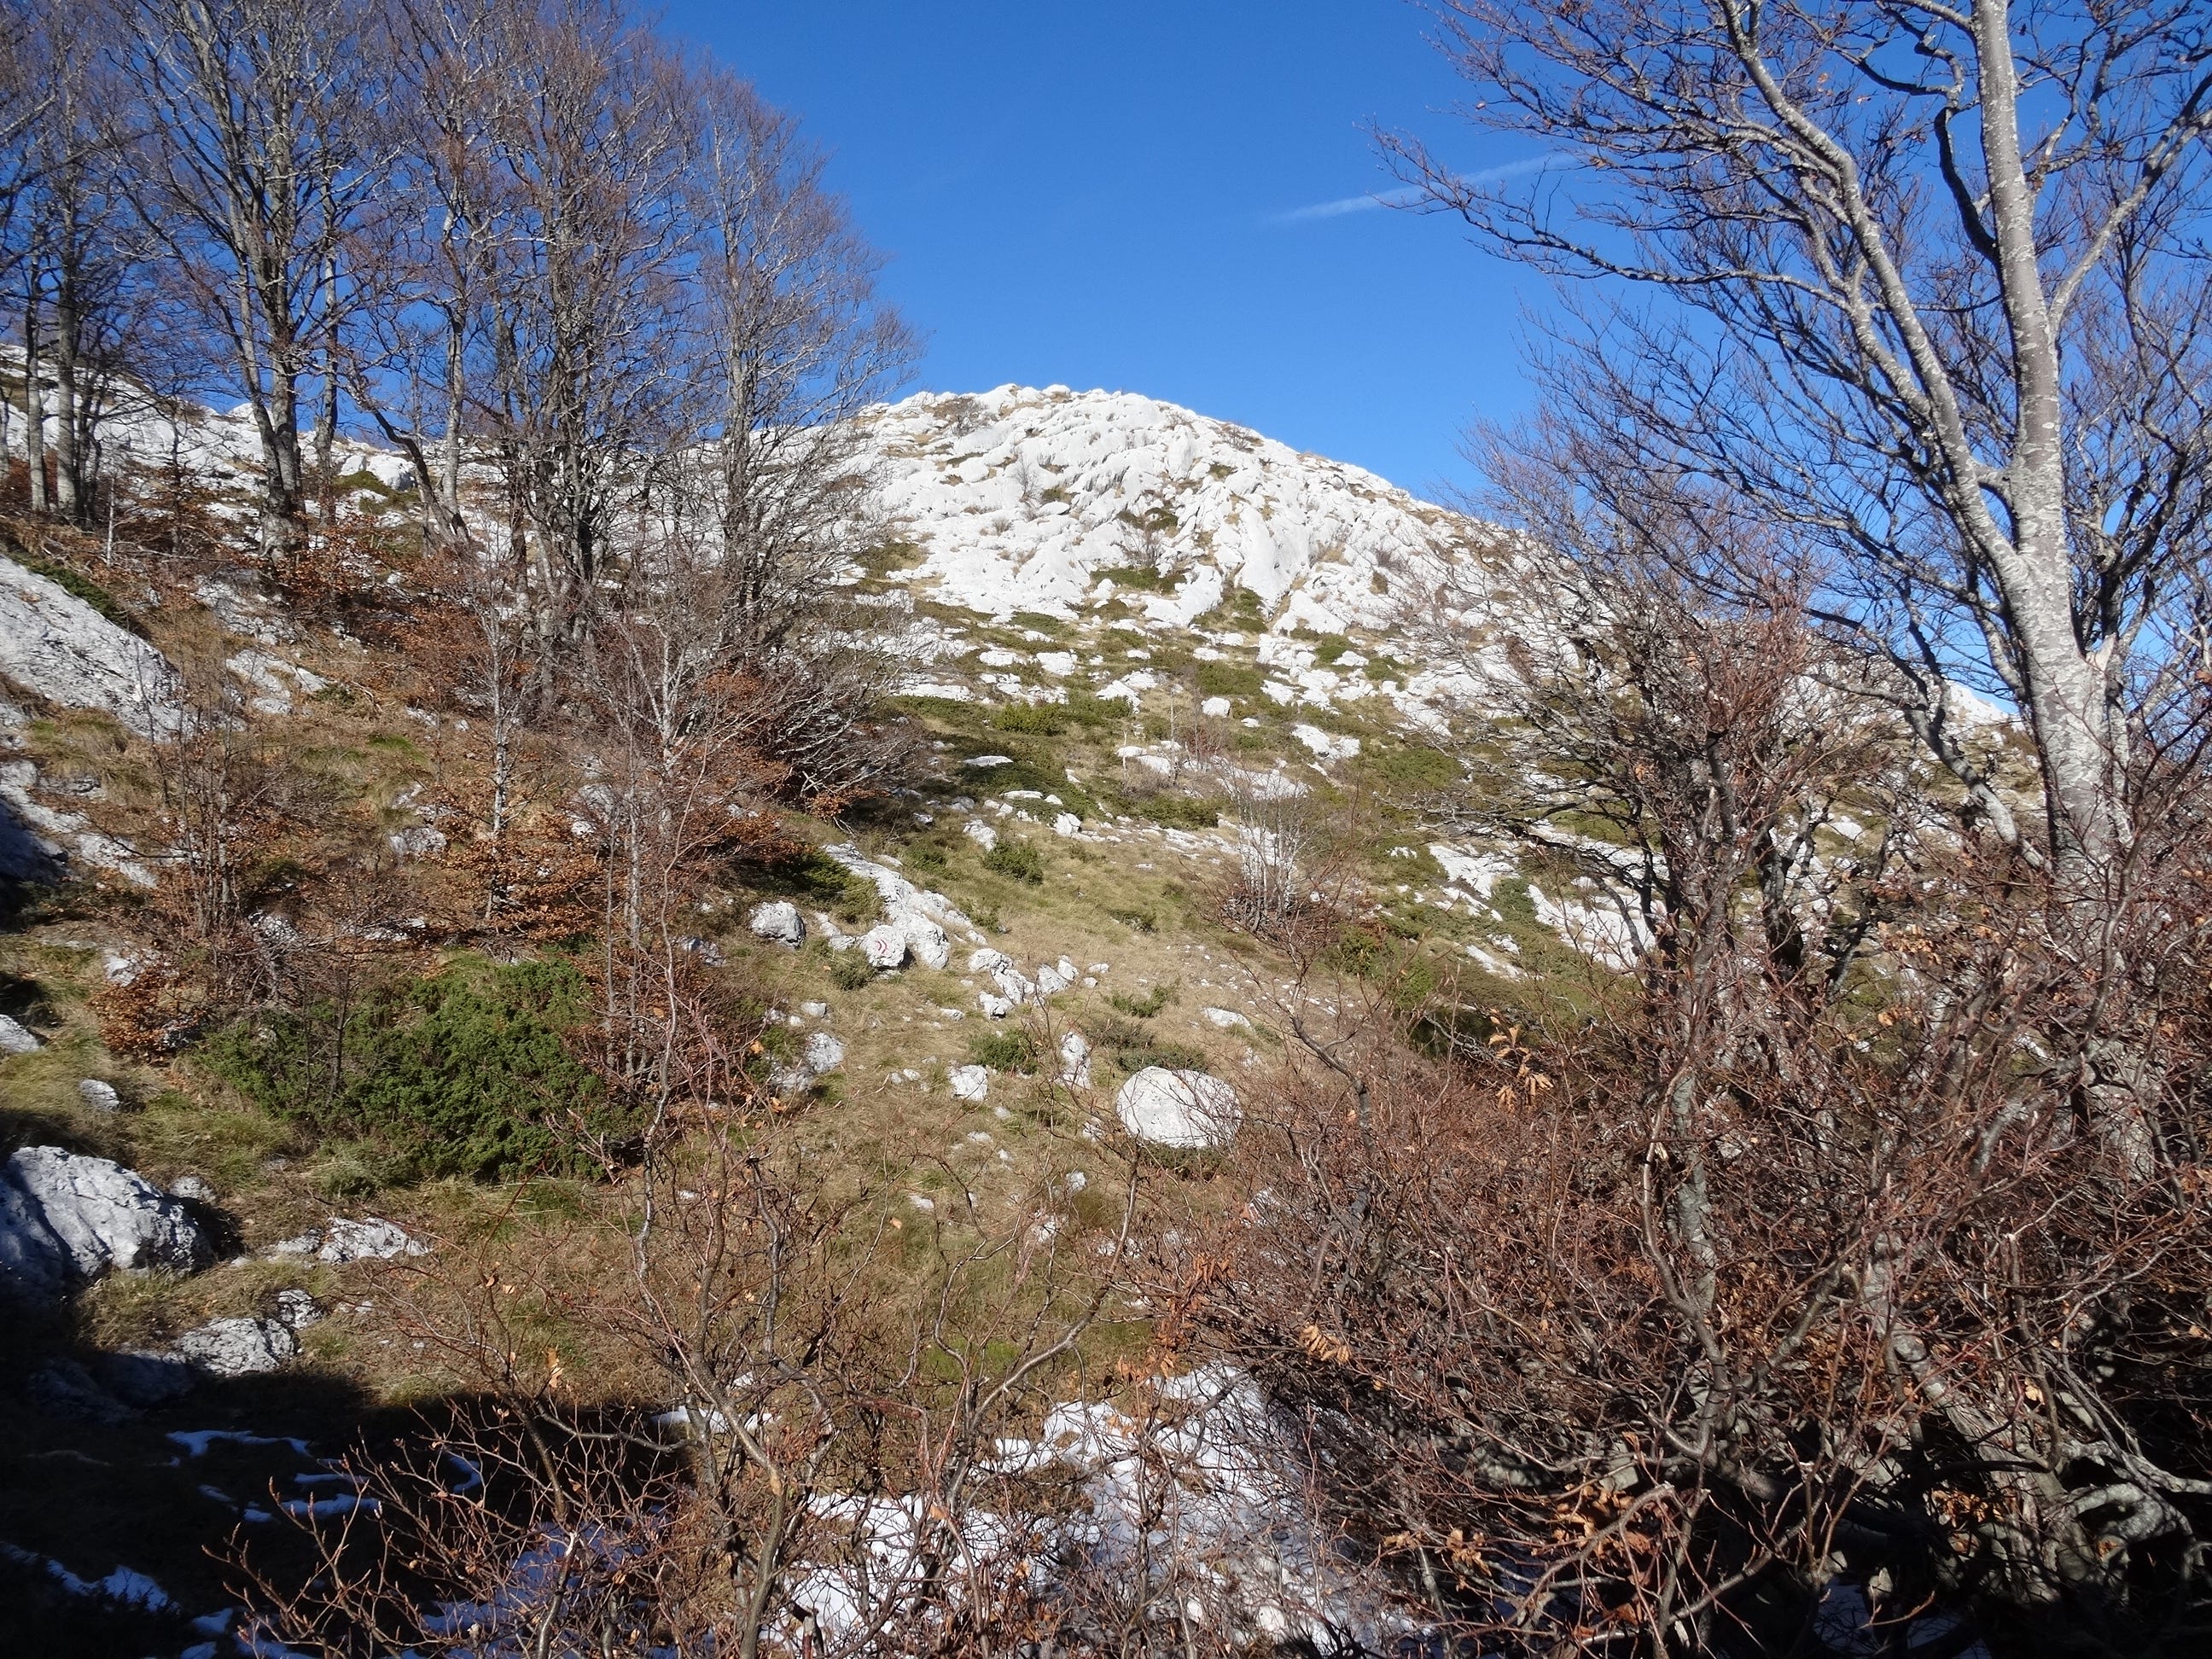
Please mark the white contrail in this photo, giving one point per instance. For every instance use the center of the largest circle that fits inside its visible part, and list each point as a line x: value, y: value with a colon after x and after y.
x: 1412, y: 193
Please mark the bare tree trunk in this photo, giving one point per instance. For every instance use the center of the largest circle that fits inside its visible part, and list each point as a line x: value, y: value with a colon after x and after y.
x: 34, y: 397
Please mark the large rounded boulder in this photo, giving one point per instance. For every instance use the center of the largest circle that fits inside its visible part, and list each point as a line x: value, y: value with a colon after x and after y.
x: 107, y: 1217
x: 1186, y: 1109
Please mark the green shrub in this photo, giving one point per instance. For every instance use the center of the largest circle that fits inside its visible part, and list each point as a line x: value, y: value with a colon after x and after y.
x: 1145, y: 1006
x: 1017, y: 858
x: 1418, y: 769
x: 1139, y: 576
x: 464, y: 1074
x: 1086, y: 710
x: 1229, y: 679
x: 1042, y: 719
x: 1004, y: 1051
x: 1331, y: 646
x: 1179, y: 811
x: 816, y: 878
x: 849, y: 970
x: 928, y: 857
x: 1131, y: 1048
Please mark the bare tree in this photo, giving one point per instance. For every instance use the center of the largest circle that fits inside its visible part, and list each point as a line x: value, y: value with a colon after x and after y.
x: 799, y: 346
x: 1944, y: 333
x: 258, y: 158
x: 585, y: 381
x: 1690, y: 1321
x: 88, y: 271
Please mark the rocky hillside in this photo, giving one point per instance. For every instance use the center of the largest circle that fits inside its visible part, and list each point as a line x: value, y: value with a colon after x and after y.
x: 1153, y: 658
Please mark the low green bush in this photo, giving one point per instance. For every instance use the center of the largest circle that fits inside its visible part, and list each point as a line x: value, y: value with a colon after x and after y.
x: 1145, y: 1006
x: 1229, y: 679
x: 849, y: 970
x: 1178, y: 811
x: 464, y: 1074
x: 1042, y: 719
x: 1004, y: 1051
x: 1017, y: 859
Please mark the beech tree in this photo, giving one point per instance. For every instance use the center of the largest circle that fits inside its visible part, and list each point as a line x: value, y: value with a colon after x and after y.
x: 260, y: 155
x: 1937, y: 317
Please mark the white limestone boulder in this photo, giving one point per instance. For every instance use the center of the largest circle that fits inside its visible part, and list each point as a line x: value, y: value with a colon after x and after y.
x: 238, y: 1348
x: 968, y: 1082
x: 924, y: 937
x: 106, y: 1217
x: 885, y: 947
x: 779, y: 922
x: 34, y: 1264
x: 1075, y: 1061
x: 14, y: 1039
x: 370, y: 1239
x: 57, y: 647
x: 1180, y: 1108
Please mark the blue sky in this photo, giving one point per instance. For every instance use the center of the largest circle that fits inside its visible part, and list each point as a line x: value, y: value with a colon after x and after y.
x: 1109, y: 195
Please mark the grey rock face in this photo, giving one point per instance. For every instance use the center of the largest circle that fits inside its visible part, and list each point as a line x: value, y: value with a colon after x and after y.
x: 100, y: 1096
x: 238, y: 1348
x: 370, y: 1239
x: 193, y: 1187
x: 62, y: 1388
x: 55, y: 645
x: 34, y: 1263
x: 296, y: 1309
x: 823, y: 1053
x: 1182, y: 1109
x: 144, y: 1379
x: 924, y: 938
x: 885, y: 947
x: 779, y: 922
x: 14, y: 1039
x: 108, y: 1216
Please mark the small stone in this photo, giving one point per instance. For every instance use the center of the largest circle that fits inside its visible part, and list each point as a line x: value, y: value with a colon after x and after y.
x: 1076, y: 1180
x: 1066, y: 823
x: 1050, y: 982
x: 1075, y: 1061
x: 100, y: 1096
x: 1215, y: 708
x: 968, y: 1082
x: 823, y: 1053
x: 981, y: 833
x: 1226, y: 1019
x: 296, y: 1309
x: 779, y: 922
x: 995, y: 1007
x: 65, y: 1388
x: 305, y: 1243
x: 14, y: 1039
x: 191, y: 1187
x: 815, y: 1010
